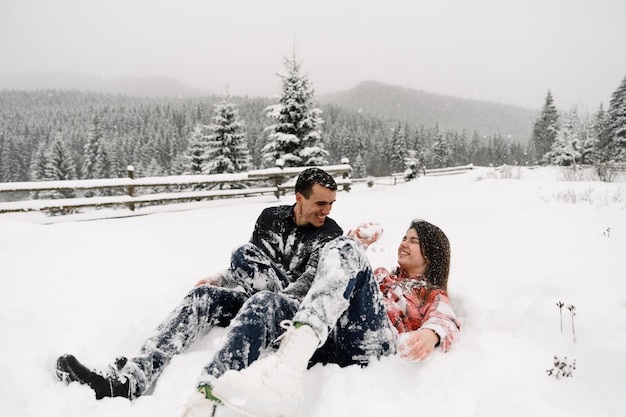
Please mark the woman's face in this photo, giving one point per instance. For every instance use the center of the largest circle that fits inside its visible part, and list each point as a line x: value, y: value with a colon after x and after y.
x: 410, y: 255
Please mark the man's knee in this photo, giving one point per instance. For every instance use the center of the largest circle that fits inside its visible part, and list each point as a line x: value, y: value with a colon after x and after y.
x: 245, y: 251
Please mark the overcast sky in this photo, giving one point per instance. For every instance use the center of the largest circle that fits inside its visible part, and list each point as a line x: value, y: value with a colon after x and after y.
x: 505, y: 51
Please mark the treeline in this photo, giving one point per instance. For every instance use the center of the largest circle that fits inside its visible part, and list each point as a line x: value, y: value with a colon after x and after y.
x: 573, y: 139
x: 154, y: 134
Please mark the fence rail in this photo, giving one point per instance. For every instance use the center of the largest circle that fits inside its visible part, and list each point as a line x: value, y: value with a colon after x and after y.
x: 433, y: 172
x: 449, y: 170
x: 271, y: 181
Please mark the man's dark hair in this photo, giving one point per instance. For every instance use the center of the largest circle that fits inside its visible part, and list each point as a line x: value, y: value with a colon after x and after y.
x: 311, y: 176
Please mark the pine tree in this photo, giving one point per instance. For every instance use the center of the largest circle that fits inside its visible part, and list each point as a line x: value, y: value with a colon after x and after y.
x: 60, y: 163
x: 617, y: 123
x: 602, y: 154
x: 460, y: 149
x: 412, y: 163
x: 296, y: 137
x: 359, y: 167
x: 227, y: 151
x: 39, y: 161
x: 92, y: 150
x: 195, y: 155
x: 567, y: 145
x: 398, y: 149
x: 38, y: 164
x: 600, y: 127
x: 441, y: 150
x: 474, y: 149
x: 588, y: 139
x: 15, y: 156
x: 95, y: 158
x: 545, y: 129
x: 416, y: 144
x: 60, y: 166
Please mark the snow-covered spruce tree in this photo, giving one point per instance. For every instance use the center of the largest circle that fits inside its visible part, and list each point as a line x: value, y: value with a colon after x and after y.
x: 15, y: 155
x: 589, y: 140
x: 91, y: 149
x: 398, y: 147
x: 296, y: 137
x: 227, y: 151
x: 195, y: 154
x: 440, y: 150
x: 600, y: 126
x: 60, y: 165
x: 545, y: 129
x: 95, y: 159
x: 566, y: 149
x: 602, y: 152
x: 359, y: 167
x: 38, y: 164
x: 39, y: 161
x: 412, y: 164
x: 416, y: 144
x: 617, y: 123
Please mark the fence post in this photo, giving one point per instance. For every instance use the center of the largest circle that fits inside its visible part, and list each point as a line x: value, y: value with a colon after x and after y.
x: 345, y: 175
x: 278, y: 180
x: 131, y: 189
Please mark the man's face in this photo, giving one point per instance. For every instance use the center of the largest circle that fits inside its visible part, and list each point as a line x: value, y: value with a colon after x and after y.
x: 315, y: 209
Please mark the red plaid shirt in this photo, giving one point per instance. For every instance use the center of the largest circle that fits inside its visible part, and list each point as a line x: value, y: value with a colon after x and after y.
x: 411, y: 305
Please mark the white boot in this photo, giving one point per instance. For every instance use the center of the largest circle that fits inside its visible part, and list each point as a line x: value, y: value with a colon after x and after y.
x: 198, y: 406
x: 272, y: 385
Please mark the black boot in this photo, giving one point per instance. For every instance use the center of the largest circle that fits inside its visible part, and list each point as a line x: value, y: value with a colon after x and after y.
x: 69, y: 369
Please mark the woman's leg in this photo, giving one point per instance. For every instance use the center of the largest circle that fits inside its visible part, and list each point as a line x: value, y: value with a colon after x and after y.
x: 344, y: 306
x: 344, y: 295
x: 251, y: 332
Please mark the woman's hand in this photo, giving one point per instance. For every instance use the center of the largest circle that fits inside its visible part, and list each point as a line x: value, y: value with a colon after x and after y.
x: 417, y: 345
x: 210, y: 280
x: 366, y: 233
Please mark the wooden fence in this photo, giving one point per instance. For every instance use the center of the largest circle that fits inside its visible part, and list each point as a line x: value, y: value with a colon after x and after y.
x: 396, y: 176
x: 269, y: 181
x: 448, y: 171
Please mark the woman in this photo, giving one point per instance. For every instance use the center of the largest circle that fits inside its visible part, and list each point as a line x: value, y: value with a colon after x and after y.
x: 415, y: 293
x: 350, y: 315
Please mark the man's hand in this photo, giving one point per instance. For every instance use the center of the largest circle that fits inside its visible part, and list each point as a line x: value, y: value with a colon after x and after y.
x: 417, y: 345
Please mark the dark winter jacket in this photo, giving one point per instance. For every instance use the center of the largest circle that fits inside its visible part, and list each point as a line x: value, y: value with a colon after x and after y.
x: 294, y: 248
x: 412, y: 305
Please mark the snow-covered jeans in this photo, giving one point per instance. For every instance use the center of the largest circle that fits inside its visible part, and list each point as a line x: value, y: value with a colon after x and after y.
x: 344, y: 307
x: 202, y: 308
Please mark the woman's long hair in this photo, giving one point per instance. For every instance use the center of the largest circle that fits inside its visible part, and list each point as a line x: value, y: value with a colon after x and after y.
x: 435, y: 247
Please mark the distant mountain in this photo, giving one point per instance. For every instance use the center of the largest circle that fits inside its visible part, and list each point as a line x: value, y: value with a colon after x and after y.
x: 132, y: 86
x: 391, y: 103
x: 422, y: 108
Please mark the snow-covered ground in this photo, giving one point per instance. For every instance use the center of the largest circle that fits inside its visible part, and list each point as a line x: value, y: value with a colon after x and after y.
x: 96, y: 287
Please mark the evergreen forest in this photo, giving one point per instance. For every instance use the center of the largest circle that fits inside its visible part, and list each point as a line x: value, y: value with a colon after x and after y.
x: 65, y: 134
x: 153, y: 135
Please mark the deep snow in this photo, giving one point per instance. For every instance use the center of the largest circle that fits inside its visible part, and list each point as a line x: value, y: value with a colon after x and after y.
x: 96, y: 288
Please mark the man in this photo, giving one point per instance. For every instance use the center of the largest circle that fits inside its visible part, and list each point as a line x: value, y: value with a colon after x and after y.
x: 281, y: 257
